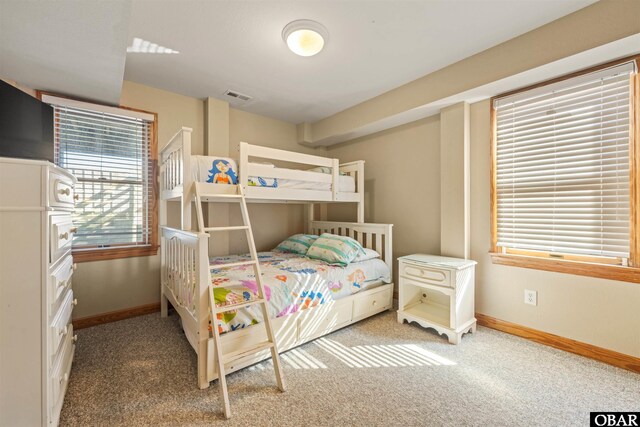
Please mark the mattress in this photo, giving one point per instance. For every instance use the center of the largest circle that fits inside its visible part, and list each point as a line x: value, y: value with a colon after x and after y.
x: 346, y: 184
x: 292, y: 283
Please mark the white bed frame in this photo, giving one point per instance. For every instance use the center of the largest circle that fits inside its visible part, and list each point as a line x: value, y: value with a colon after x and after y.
x: 186, y: 278
x: 185, y: 275
x: 177, y: 182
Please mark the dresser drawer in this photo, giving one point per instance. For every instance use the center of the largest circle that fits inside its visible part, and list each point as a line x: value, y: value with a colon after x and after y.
x: 61, y: 327
x: 434, y: 276
x: 324, y: 319
x: 372, y: 303
x: 61, y: 230
x: 59, y: 282
x: 61, y: 190
x: 60, y: 376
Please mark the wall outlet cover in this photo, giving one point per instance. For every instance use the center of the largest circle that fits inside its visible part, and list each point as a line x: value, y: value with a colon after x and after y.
x: 530, y: 297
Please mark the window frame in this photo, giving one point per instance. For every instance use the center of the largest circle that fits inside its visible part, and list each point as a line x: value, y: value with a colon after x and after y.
x: 103, y: 254
x: 577, y: 264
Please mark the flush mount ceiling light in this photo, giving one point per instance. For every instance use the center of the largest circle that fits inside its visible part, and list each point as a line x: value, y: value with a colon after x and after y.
x: 144, y: 46
x: 305, y: 37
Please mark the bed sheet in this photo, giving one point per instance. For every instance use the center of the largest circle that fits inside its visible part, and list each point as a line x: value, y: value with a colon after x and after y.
x: 292, y: 283
x: 346, y: 184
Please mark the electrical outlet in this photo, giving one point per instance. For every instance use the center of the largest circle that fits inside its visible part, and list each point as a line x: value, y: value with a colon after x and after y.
x: 530, y: 297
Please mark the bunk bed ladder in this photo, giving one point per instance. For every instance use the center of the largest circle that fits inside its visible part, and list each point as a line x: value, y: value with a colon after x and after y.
x: 227, y: 360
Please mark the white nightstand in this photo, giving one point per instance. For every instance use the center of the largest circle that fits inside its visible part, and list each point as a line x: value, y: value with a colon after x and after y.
x: 438, y: 292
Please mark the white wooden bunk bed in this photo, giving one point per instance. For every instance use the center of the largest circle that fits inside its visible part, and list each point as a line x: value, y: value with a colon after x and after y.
x: 185, y: 262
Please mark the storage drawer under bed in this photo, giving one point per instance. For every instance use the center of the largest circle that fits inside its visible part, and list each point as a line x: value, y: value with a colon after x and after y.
x: 376, y: 301
x: 324, y: 319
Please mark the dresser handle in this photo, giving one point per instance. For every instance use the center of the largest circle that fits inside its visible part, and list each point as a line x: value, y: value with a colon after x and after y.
x: 75, y: 338
x: 73, y: 230
x: 76, y: 197
x: 63, y: 331
x: 64, y: 236
x: 75, y: 301
x: 65, y: 191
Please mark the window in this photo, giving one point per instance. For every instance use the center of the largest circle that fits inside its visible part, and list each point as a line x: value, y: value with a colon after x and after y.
x: 112, y: 152
x: 565, y: 175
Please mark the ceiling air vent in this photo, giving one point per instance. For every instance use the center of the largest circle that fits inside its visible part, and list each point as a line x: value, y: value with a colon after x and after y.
x: 237, y: 96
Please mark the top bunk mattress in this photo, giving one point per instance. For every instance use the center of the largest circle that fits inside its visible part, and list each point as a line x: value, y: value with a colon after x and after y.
x: 224, y: 170
x: 292, y: 283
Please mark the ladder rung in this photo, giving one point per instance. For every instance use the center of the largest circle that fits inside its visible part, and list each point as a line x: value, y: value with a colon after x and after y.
x: 230, y: 307
x: 220, y: 196
x: 229, y: 228
x: 233, y: 356
x: 233, y: 264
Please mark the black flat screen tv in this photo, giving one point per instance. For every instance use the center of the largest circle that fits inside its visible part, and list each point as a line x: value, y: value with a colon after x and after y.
x: 26, y: 125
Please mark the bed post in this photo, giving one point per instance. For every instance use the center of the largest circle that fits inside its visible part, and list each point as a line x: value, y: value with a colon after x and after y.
x: 310, y: 214
x: 243, y: 166
x: 202, y: 307
x: 187, y: 180
x: 360, y: 190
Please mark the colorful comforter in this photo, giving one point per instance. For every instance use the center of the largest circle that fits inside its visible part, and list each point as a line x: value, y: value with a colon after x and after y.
x: 292, y: 283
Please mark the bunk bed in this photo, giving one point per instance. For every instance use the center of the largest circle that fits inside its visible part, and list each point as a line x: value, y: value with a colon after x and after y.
x: 187, y: 270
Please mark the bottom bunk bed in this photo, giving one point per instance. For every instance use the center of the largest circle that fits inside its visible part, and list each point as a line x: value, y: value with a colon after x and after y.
x: 307, y: 298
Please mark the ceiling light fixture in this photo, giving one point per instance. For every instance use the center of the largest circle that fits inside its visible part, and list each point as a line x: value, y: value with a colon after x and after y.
x: 144, y: 46
x: 305, y: 37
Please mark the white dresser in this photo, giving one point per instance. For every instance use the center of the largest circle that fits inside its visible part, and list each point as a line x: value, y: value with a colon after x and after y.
x: 437, y: 292
x: 36, y: 299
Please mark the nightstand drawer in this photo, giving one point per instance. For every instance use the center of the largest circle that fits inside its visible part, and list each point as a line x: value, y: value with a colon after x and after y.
x: 434, y: 276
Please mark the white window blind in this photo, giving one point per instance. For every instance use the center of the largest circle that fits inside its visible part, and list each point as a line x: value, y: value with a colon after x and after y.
x: 108, y: 150
x: 563, y: 167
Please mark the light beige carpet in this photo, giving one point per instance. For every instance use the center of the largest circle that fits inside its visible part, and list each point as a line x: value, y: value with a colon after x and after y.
x: 142, y: 371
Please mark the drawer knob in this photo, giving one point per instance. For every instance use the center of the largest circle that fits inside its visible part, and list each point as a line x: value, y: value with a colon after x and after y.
x: 65, y: 377
x: 75, y: 338
x: 65, y: 191
x: 63, y: 331
x: 64, y: 236
x: 374, y: 302
x: 61, y: 283
x: 76, y: 197
x: 73, y: 230
x: 75, y: 301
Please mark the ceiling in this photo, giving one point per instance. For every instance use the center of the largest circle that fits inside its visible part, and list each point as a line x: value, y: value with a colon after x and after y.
x: 66, y: 46
x: 373, y: 46
x: 79, y: 47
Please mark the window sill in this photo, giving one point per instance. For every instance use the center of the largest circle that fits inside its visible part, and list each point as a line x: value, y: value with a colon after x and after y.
x: 580, y: 268
x: 116, y: 253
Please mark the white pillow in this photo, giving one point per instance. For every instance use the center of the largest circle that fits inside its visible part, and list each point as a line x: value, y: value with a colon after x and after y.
x: 367, y: 255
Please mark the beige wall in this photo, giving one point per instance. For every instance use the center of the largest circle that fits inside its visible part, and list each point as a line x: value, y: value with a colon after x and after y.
x: 600, y: 312
x: 402, y: 184
x: 271, y: 223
